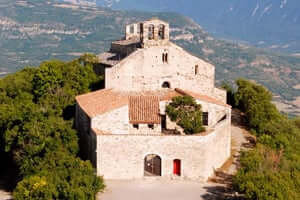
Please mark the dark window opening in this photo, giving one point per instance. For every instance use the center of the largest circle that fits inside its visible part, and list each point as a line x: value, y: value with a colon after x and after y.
x: 165, y: 57
x: 136, y: 126
x: 151, y: 32
x: 152, y: 165
x: 196, y: 69
x: 163, y: 122
x: 151, y: 126
x: 166, y: 85
x: 205, y: 118
x: 161, y: 32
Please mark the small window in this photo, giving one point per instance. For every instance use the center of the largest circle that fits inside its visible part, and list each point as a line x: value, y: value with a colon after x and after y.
x: 196, y: 69
x: 136, y: 126
x: 151, y: 32
x: 166, y: 57
x: 151, y: 126
x: 205, y: 118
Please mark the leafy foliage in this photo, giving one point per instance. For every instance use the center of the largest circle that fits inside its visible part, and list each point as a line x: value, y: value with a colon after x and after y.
x: 255, y: 101
x: 57, y: 168
x: 186, y: 113
x: 271, y: 170
x: 36, y: 130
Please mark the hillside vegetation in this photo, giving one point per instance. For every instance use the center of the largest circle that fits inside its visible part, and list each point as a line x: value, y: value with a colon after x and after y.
x: 36, y: 131
x: 37, y: 30
x: 272, y: 169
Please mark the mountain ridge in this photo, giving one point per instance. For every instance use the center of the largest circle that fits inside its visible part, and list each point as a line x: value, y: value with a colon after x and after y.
x: 34, y: 31
x: 263, y: 23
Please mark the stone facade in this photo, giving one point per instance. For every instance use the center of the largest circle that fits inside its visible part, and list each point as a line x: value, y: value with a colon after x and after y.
x: 122, y: 156
x: 149, y: 69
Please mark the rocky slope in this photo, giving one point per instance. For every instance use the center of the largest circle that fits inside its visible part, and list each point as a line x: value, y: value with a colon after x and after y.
x: 35, y: 30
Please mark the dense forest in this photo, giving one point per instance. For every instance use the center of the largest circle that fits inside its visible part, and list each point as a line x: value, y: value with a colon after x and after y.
x: 37, y: 130
x: 272, y: 169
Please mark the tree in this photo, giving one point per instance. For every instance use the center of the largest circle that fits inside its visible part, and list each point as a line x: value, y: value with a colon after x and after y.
x: 36, y: 130
x: 186, y: 113
x: 255, y: 101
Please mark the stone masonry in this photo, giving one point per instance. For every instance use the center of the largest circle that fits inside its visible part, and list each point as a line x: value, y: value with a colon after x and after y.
x: 124, y: 129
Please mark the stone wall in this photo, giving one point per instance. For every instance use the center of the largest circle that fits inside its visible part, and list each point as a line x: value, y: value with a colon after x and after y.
x: 145, y: 70
x: 122, y: 156
x: 117, y: 121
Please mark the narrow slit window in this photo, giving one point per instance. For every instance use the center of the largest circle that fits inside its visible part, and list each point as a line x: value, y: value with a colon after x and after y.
x: 196, y: 69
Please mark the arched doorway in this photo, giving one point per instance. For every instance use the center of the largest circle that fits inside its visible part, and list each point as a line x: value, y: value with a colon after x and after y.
x: 166, y: 85
x: 177, y: 167
x: 152, y: 165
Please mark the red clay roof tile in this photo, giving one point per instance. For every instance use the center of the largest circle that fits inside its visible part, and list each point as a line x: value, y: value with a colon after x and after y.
x: 144, y: 110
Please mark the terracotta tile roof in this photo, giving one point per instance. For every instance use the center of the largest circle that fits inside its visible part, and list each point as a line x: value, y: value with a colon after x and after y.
x: 101, y: 101
x: 202, y: 97
x: 144, y: 109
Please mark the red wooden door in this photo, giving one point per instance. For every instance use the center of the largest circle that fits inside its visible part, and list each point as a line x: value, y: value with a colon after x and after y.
x: 176, y: 167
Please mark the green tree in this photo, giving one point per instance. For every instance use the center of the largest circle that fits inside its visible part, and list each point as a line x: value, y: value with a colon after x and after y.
x: 185, y: 111
x: 255, y: 101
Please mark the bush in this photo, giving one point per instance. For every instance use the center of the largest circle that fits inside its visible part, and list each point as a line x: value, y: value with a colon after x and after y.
x: 186, y: 113
x: 60, y: 176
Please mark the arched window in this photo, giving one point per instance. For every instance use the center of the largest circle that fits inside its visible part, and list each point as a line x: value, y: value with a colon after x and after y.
x: 152, y: 165
x: 151, y: 32
x: 166, y: 85
x: 161, y: 32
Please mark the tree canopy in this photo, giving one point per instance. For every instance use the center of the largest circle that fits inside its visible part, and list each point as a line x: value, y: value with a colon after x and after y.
x: 185, y: 111
x: 271, y: 170
x: 37, y: 108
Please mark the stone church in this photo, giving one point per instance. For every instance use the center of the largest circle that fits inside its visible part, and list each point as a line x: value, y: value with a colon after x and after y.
x: 124, y: 129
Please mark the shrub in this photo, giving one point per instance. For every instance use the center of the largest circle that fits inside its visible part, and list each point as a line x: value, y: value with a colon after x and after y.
x: 186, y: 113
x: 60, y: 176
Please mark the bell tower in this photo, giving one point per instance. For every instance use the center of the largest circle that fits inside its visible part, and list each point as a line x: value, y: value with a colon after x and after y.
x: 153, y: 32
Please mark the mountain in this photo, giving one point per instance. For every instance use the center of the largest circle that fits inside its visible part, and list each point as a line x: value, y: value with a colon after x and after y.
x: 273, y: 24
x: 36, y: 30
